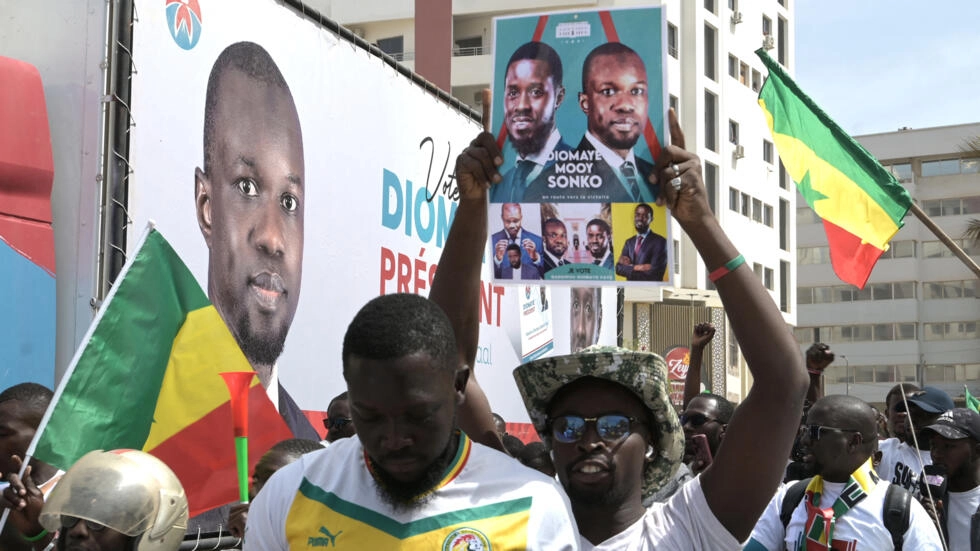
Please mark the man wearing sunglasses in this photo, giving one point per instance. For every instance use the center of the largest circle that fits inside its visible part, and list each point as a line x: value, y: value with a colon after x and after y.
x: 902, y: 460
x: 606, y: 415
x: 843, y: 503
x: 706, y: 414
x: 338, y: 422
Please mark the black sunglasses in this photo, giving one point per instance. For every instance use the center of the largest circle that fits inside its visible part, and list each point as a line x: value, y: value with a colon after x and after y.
x: 611, y: 428
x: 695, y: 419
x: 68, y: 522
x: 814, y: 431
x: 337, y: 423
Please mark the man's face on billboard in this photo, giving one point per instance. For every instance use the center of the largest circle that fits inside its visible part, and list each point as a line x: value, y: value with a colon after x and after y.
x: 556, y: 239
x: 598, y: 240
x: 250, y: 208
x: 514, y: 257
x: 642, y: 217
x: 511, y: 217
x: 615, y: 100
x: 586, y: 317
x: 530, y: 102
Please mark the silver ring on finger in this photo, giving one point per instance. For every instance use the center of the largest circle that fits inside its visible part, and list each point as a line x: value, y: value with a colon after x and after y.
x: 677, y: 171
x: 676, y: 183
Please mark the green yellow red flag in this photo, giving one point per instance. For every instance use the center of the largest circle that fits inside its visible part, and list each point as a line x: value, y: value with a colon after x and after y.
x: 860, y: 202
x: 147, y: 376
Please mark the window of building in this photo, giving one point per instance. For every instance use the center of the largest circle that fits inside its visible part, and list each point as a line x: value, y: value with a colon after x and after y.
x: 733, y: 199
x: 902, y: 172
x: 732, y: 349
x: 904, y: 289
x: 746, y: 205
x: 804, y: 295
x: 672, y: 102
x: 900, y: 249
x: 782, y: 3
x: 733, y: 5
x: 767, y: 215
x: 767, y: 277
x: 733, y: 131
x: 783, y: 176
x: 756, y: 80
x: 969, y: 166
x: 782, y: 41
x: 672, y: 40
x: 732, y: 66
x: 743, y: 73
x: 766, y: 25
x: 710, y: 66
x: 767, y: 151
x: 757, y: 210
x: 677, y: 256
x: 469, y: 46
x: 394, y: 45
x: 710, y: 121
x: 784, y: 224
x: 757, y: 269
x: 812, y: 255
x: 711, y: 185
x: 709, y: 5
x: 784, y: 286
x: 823, y: 295
x: 940, y: 168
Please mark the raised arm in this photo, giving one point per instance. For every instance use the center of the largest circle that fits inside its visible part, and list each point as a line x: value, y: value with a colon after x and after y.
x: 456, y: 286
x: 818, y: 357
x: 701, y: 336
x: 749, y: 465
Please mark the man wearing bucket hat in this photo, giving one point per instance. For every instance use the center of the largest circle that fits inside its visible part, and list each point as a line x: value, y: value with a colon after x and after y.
x: 615, y: 439
x: 955, y: 446
x: 903, y: 460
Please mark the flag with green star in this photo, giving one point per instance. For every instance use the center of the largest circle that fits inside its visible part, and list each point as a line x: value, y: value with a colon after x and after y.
x: 860, y: 202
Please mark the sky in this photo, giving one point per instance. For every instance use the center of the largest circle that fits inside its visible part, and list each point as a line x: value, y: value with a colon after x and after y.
x: 879, y: 65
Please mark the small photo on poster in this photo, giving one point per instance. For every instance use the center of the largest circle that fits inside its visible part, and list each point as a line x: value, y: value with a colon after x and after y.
x: 579, y: 105
x: 643, y: 253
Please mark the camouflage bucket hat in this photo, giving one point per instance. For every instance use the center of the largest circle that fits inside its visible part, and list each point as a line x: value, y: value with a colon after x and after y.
x: 644, y: 374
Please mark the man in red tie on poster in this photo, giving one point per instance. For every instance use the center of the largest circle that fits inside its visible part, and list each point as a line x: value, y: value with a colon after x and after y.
x: 644, y: 256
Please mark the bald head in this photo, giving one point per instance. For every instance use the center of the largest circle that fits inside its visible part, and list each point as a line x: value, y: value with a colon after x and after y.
x: 846, y: 412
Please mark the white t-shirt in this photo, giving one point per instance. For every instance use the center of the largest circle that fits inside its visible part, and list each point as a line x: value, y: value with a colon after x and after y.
x: 860, y: 529
x: 900, y: 462
x: 329, y: 498
x: 684, y: 522
x: 961, y: 507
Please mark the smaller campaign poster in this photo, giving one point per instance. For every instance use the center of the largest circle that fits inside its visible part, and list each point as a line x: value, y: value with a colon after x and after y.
x: 579, y: 108
x: 537, y: 334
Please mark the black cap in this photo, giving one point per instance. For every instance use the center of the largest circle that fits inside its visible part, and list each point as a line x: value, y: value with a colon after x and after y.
x: 957, y: 423
x: 931, y: 399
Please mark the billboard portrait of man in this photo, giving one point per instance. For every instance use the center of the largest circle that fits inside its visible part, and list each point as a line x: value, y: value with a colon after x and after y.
x: 585, y: 306
x: 644, y: 256
x: 249, y: 198
x: 533, y: 91
x: 514, y: 233
x: 598, y: 239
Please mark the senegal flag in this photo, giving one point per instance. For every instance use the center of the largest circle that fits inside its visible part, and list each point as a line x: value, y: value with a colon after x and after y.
x: 146, y: 377
x: 861, y: 203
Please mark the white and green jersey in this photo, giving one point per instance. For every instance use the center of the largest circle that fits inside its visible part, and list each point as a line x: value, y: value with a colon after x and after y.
x: 486, y: 501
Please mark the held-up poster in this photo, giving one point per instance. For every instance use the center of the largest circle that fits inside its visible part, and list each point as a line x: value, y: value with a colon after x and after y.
x: 579, y: 109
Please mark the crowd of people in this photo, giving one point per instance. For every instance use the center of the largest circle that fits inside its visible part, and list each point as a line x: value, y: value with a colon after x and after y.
x: 416, y: 459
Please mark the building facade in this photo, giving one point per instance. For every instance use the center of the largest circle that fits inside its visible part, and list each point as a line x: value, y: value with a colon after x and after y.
x: 713, y: 81
x: 916, y: 319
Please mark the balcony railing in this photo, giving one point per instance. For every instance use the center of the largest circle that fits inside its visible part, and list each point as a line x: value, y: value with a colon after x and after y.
x: 457, y: 52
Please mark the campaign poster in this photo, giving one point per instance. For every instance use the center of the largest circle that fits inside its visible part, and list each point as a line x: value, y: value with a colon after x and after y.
x: 366, y: 153
x: 537, y: 336
x: 579, y: 108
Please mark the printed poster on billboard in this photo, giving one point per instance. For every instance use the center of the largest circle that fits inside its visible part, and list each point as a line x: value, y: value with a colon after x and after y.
x: 579, y: 104
x: 336, y: 171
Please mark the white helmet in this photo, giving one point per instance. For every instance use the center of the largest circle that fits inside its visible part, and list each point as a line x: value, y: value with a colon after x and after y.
x: 130, y: 491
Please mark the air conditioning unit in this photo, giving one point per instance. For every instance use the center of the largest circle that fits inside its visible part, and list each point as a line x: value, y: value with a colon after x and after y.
x: 739, y: 151
x: 736, y: 18
x: 359, y: 31
x: 768, y: 42
x: 478, y: 98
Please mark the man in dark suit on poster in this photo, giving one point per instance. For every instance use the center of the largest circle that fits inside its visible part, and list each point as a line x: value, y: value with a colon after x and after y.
x: 644, y: 256
x: 515, y: 268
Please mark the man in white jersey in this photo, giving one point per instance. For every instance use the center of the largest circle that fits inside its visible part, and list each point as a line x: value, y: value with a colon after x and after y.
x: 955, y: 446
x: 842, y: 508
x: 410, y: 479
x: 901, y: 461
x: 614, y: 436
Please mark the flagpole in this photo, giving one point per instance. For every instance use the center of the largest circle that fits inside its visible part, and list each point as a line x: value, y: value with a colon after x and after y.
x: 957, y: 251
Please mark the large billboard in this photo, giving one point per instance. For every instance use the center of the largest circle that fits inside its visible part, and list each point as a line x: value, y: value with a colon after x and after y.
x: 328, y: 195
